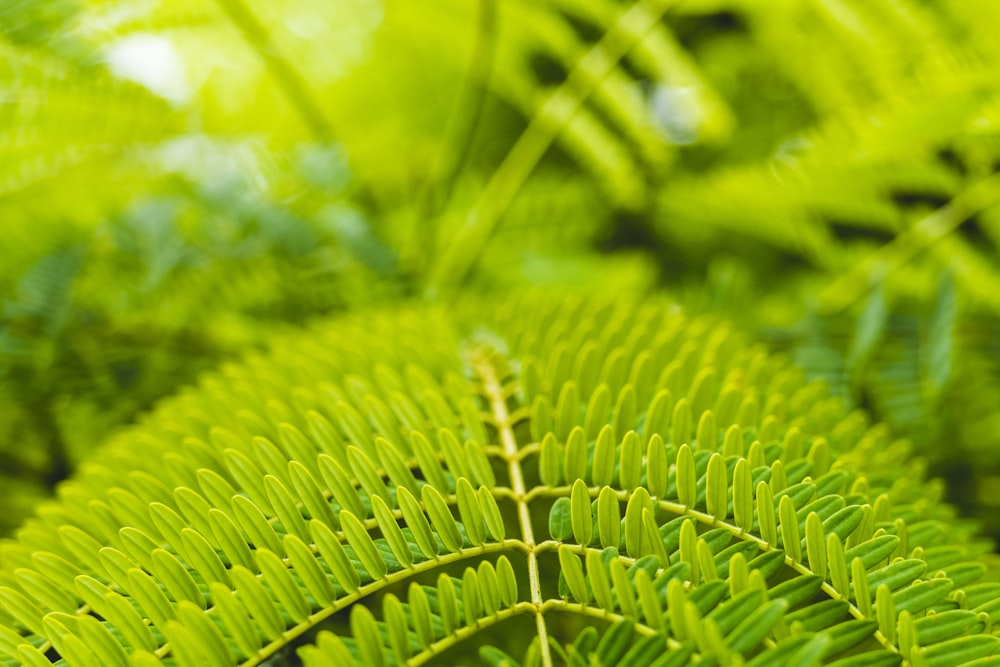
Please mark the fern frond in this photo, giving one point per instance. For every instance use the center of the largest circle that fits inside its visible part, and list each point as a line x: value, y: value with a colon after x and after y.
x: 609, y: 463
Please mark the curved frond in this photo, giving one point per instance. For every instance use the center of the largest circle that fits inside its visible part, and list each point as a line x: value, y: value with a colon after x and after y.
x: 624, y: 467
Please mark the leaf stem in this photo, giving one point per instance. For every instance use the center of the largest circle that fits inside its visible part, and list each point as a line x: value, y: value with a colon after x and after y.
x: 501, y: 418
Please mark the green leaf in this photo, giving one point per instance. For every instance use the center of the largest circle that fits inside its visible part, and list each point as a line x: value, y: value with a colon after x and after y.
x: 494, y: 657
x: 811, y: 653
x: 150, y: 597
x: 797, y: 590
x: 815, y: 544
x: 921, y: 594
x: 897, y: 574
x: 335, y: 556
x: 420, y: 614
x: 506, y: 582
x: 228, y: 537
x: 680, y: 425
x: 707, y: 435
x: 885, y: 612
x: 470, y: 512
x: 309, y: 570
x: 743, y: 496
x: 765, y: 514
x: 609, y: 518
x: 479, y: 464
x: 253, y: 522
x: 235, y: 620
x: 362, y: 543
x: 567, y: 410
x: 656, y: 466
x: 837, y: 564
x: 447, y: 603
x: 428, y: 462
x: 278, y: 578
x: 615, y: 642
x: 550, y: 458
x: 820, y: 615
x: 603, y: 469
x: 790, y: 539
x: 571, y: 568
x: 689, y: 547
x: 471, y: 599
x: 936, y: 628
x: 638, y: 502
x: 623, y: 589
x: 630, y: 467
x: 561, y: 518
x: 651, y: 537
x: 687, y: 481
x: 676, y: 603
x: 441, y: 518
x: 119, y: 612
x: 728, y: 615
x: 491, y: 514
x: 575, y: 458
x: 367, y: 636
x: 706, y: 562
x: 416, y: 522
x: 879, y: 658
x: 396, y: 628
x: 870, y: 329
x: 753, y: 628
x: 658, y: 416
x: 580, y: 514
x: 960, y: 651
x: 716, y: 487
x: 649, y: 600
x: 732, y: 443
x: 873, y: 551
x: 211, y: 644
x: 939, y: 360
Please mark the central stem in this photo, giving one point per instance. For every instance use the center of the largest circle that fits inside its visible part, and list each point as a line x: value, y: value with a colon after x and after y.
x: 493, y: 391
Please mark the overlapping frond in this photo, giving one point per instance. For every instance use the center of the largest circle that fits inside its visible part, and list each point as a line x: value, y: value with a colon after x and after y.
x: 405, y: 481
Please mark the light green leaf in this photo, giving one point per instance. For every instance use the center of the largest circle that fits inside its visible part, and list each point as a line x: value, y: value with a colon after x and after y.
x: 561, y: 518
x: 575, y: 462
x: 367, y: 636
x: 581, y: 517
x: 362, y: 543
x: 608, y: 518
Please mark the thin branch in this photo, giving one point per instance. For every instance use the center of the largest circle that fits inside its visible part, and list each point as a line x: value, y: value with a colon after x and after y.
x: 851, y: 285
x: 463, y: 122
x: 434, y: 651
x: 494, y: 201
x: 293, y: 85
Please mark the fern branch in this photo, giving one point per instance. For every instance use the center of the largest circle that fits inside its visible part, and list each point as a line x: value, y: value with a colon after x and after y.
x: 849, y: 286
x: 462, y: 254
x: 347, y: 601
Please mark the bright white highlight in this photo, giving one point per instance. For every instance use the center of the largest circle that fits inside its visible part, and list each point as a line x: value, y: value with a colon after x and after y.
x: 151, y: 61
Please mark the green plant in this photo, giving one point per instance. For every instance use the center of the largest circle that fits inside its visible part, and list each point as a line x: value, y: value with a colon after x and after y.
x: 615, y: 482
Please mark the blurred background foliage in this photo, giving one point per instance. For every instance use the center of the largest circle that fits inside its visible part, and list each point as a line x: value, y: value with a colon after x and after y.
x: 182, y: 179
